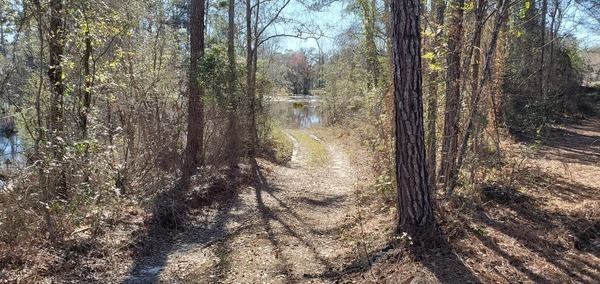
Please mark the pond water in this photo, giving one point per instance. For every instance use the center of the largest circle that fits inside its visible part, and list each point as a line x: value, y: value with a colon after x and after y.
x: 296, y: 111
x: 11, y: 151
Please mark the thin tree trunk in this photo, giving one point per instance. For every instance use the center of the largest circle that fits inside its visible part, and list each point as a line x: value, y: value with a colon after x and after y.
x: 543, y: 77
x: 249, y: 80
x: 439, y: 7
x: 55, y: 116
x: 415, y: 212
x: 453, y: 92
x: 194, y: 157
x: 554, y: 26
x: 2, y: 48
x: 43, y: 182
x: 552, y: 33
x: 474, y: 49
x: 474, y: 54
x: 251, y: 37
x: 501, y: 15
x: 369, y: 21
x: 233, y: 134
x: 86, y: 99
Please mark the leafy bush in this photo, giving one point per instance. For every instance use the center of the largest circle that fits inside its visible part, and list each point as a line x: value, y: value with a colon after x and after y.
x: 525, y: 110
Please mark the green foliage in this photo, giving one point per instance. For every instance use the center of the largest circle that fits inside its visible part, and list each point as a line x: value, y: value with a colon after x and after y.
x: 213, y: 72
x: 428, y: 56
x: 345, y: 86
x: 525, y: 115
x: 280, y: 144
x: 317, y: 154
x: 525, y: 9
x: 524, y: 107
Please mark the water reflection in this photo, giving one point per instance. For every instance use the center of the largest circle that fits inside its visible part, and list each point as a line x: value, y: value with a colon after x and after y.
x: 11, y: 149
x: 297, y: 111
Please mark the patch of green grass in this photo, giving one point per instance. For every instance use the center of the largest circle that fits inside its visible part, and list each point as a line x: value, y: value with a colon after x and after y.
x: 317, y: 154
x: 282, y: 146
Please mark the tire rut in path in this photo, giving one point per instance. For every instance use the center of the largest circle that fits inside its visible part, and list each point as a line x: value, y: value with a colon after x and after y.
x: 294, y: 221
x: 302, y: 211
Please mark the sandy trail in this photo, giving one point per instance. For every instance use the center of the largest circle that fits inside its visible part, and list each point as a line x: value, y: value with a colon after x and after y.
x: 288, y: 227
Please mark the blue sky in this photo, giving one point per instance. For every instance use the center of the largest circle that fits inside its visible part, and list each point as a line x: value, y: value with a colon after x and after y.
x: 579, y: 24
x: 332, y: 20
x: 329, y: 22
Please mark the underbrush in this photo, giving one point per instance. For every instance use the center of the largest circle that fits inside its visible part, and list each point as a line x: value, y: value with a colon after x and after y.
x: 526, y: 116
x: 112, y: 236
x: 278, y: 147
x: 510, y: 220
x: 92, y: 230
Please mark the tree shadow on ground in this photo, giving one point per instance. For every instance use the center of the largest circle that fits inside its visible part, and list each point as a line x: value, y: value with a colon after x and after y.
x: 447, y: 266
x: 571, y: 140
x: 540, y: 232
x: 399, y: 262
x: 569, y: 145
x: 276, y: 219
x: 174, y: 223
x: 268, y: 216
x: 533, y: 234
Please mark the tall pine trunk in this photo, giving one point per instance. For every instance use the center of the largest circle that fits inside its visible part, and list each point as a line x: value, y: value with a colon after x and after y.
x: 233, y: 135
x: 415, y: 212
x: 194, y: 155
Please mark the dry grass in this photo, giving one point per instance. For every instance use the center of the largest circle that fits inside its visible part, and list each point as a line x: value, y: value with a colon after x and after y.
x: 536, y: 219
x: 317, y: 154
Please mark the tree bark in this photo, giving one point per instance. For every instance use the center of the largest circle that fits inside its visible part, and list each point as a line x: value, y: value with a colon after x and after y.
x: 56, y: 45
x: 473, y: 55
x: 42, y: 176
x: 415, y: 213
x: 543, y: 77
x: 233, y: 134
x: 86, y: 97
x: 453, y: 92
x: 471, y: 129
x: 250, y: 90
x: 369, y: 21
x: 439, y: 7
x: 194, y: 154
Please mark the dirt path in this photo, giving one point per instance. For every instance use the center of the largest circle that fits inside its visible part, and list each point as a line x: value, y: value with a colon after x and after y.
x: 573, y: 151
x: 287, y: 228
